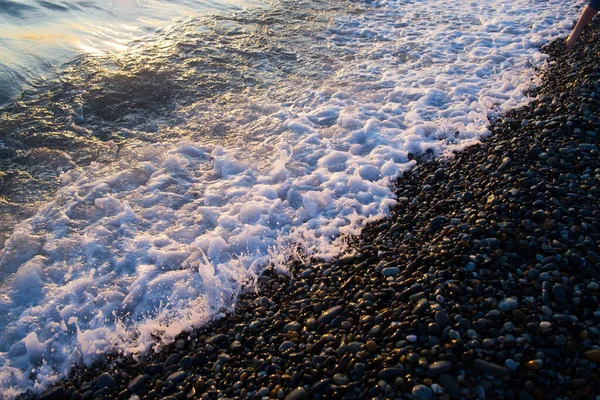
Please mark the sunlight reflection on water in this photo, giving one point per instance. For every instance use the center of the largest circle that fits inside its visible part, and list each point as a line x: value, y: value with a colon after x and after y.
x: 38, y: 37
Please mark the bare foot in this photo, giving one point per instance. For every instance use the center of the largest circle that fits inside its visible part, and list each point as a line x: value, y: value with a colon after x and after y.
x: 570, y: 42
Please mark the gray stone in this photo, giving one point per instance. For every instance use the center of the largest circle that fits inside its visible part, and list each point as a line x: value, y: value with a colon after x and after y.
x: 390, y: 271
x: 508, y: 304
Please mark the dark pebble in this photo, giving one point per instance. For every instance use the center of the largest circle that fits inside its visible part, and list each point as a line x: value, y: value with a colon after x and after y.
x: 106, y: 381
x: 390, y: 374
x: 559, y: 294
x: 421, y: 306
x: 298, y: 394
x: 136, y: 383
x: 441, y: 318
x: 490, y: 368
x: 176, y: 377
x: 54, y: 393
x: 451, y: 385
x: 216, y: 339
x: 328, y: 316
x: 439, y: 367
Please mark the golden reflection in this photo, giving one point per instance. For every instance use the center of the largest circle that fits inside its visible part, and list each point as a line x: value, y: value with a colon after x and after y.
x: 89, y: 49
x: 51, y: 37
x: 117, y: 46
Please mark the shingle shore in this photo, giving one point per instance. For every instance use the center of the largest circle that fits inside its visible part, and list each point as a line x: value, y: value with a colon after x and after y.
x: 482, y: 283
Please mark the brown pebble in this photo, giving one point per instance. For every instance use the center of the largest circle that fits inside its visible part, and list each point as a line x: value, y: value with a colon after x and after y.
x: 518, y: 314
x: 532, y: 365
x: 593, y: 355
x: 346, y: 325
x: 371, y: 346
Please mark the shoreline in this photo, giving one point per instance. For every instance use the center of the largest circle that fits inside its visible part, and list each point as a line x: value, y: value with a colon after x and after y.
x: 482, y: 283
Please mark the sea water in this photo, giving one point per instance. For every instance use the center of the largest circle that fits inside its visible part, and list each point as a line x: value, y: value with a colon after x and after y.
x: 143, y: 187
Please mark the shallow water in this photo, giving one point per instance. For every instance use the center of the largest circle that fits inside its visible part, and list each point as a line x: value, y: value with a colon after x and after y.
x: 141, y: 188
x: 38, y: 36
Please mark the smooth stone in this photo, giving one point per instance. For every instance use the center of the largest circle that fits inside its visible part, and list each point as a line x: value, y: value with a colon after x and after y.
x: 101, y: 392
x: 371, y: 346
x: 588, y: 146
x: 437, y: 389
x: 235, y: 347
x: 593, y: 286
x: 451, y: 386
x: 577, y: 383
x: 354, y: 347
x: 176, y: 377
x: 436, y: 224
x: 538, y: 216
x: 255, y: 325
x: 328, y: 315
x: 422, y: 392
x: 441, y: 318
x: 292, y: 326
x: 136, y: 383
x: 298, y: 394
x: 106, y: 381
x: 545, y: 325
x: 286, y: 346
x: 390, y: 271
x: 434, y: 329
x: 558, y: 293
x: 508, y: 304
x: 320, y: 386
x: 187, y: 361
x: 593, y: 355
x: 421, y: 307
x: 216, y: 339
x: 341, y: 379
x: 440, y: 367
x: 525, y: 396
x: 491, y: 368
x: 391, y: 373
x: 511, y: 364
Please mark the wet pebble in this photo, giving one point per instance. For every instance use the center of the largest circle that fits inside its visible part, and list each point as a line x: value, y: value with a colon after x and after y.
x: 422, y: 392
x: 106, y: 380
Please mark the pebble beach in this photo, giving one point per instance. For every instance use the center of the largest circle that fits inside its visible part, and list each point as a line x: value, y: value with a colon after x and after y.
x: 482, y: 283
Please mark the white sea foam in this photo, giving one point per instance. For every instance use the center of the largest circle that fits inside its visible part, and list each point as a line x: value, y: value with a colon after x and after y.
x: 163, y: 240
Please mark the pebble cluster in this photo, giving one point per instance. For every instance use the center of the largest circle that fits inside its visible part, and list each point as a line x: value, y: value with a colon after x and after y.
x: 483, y: 283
